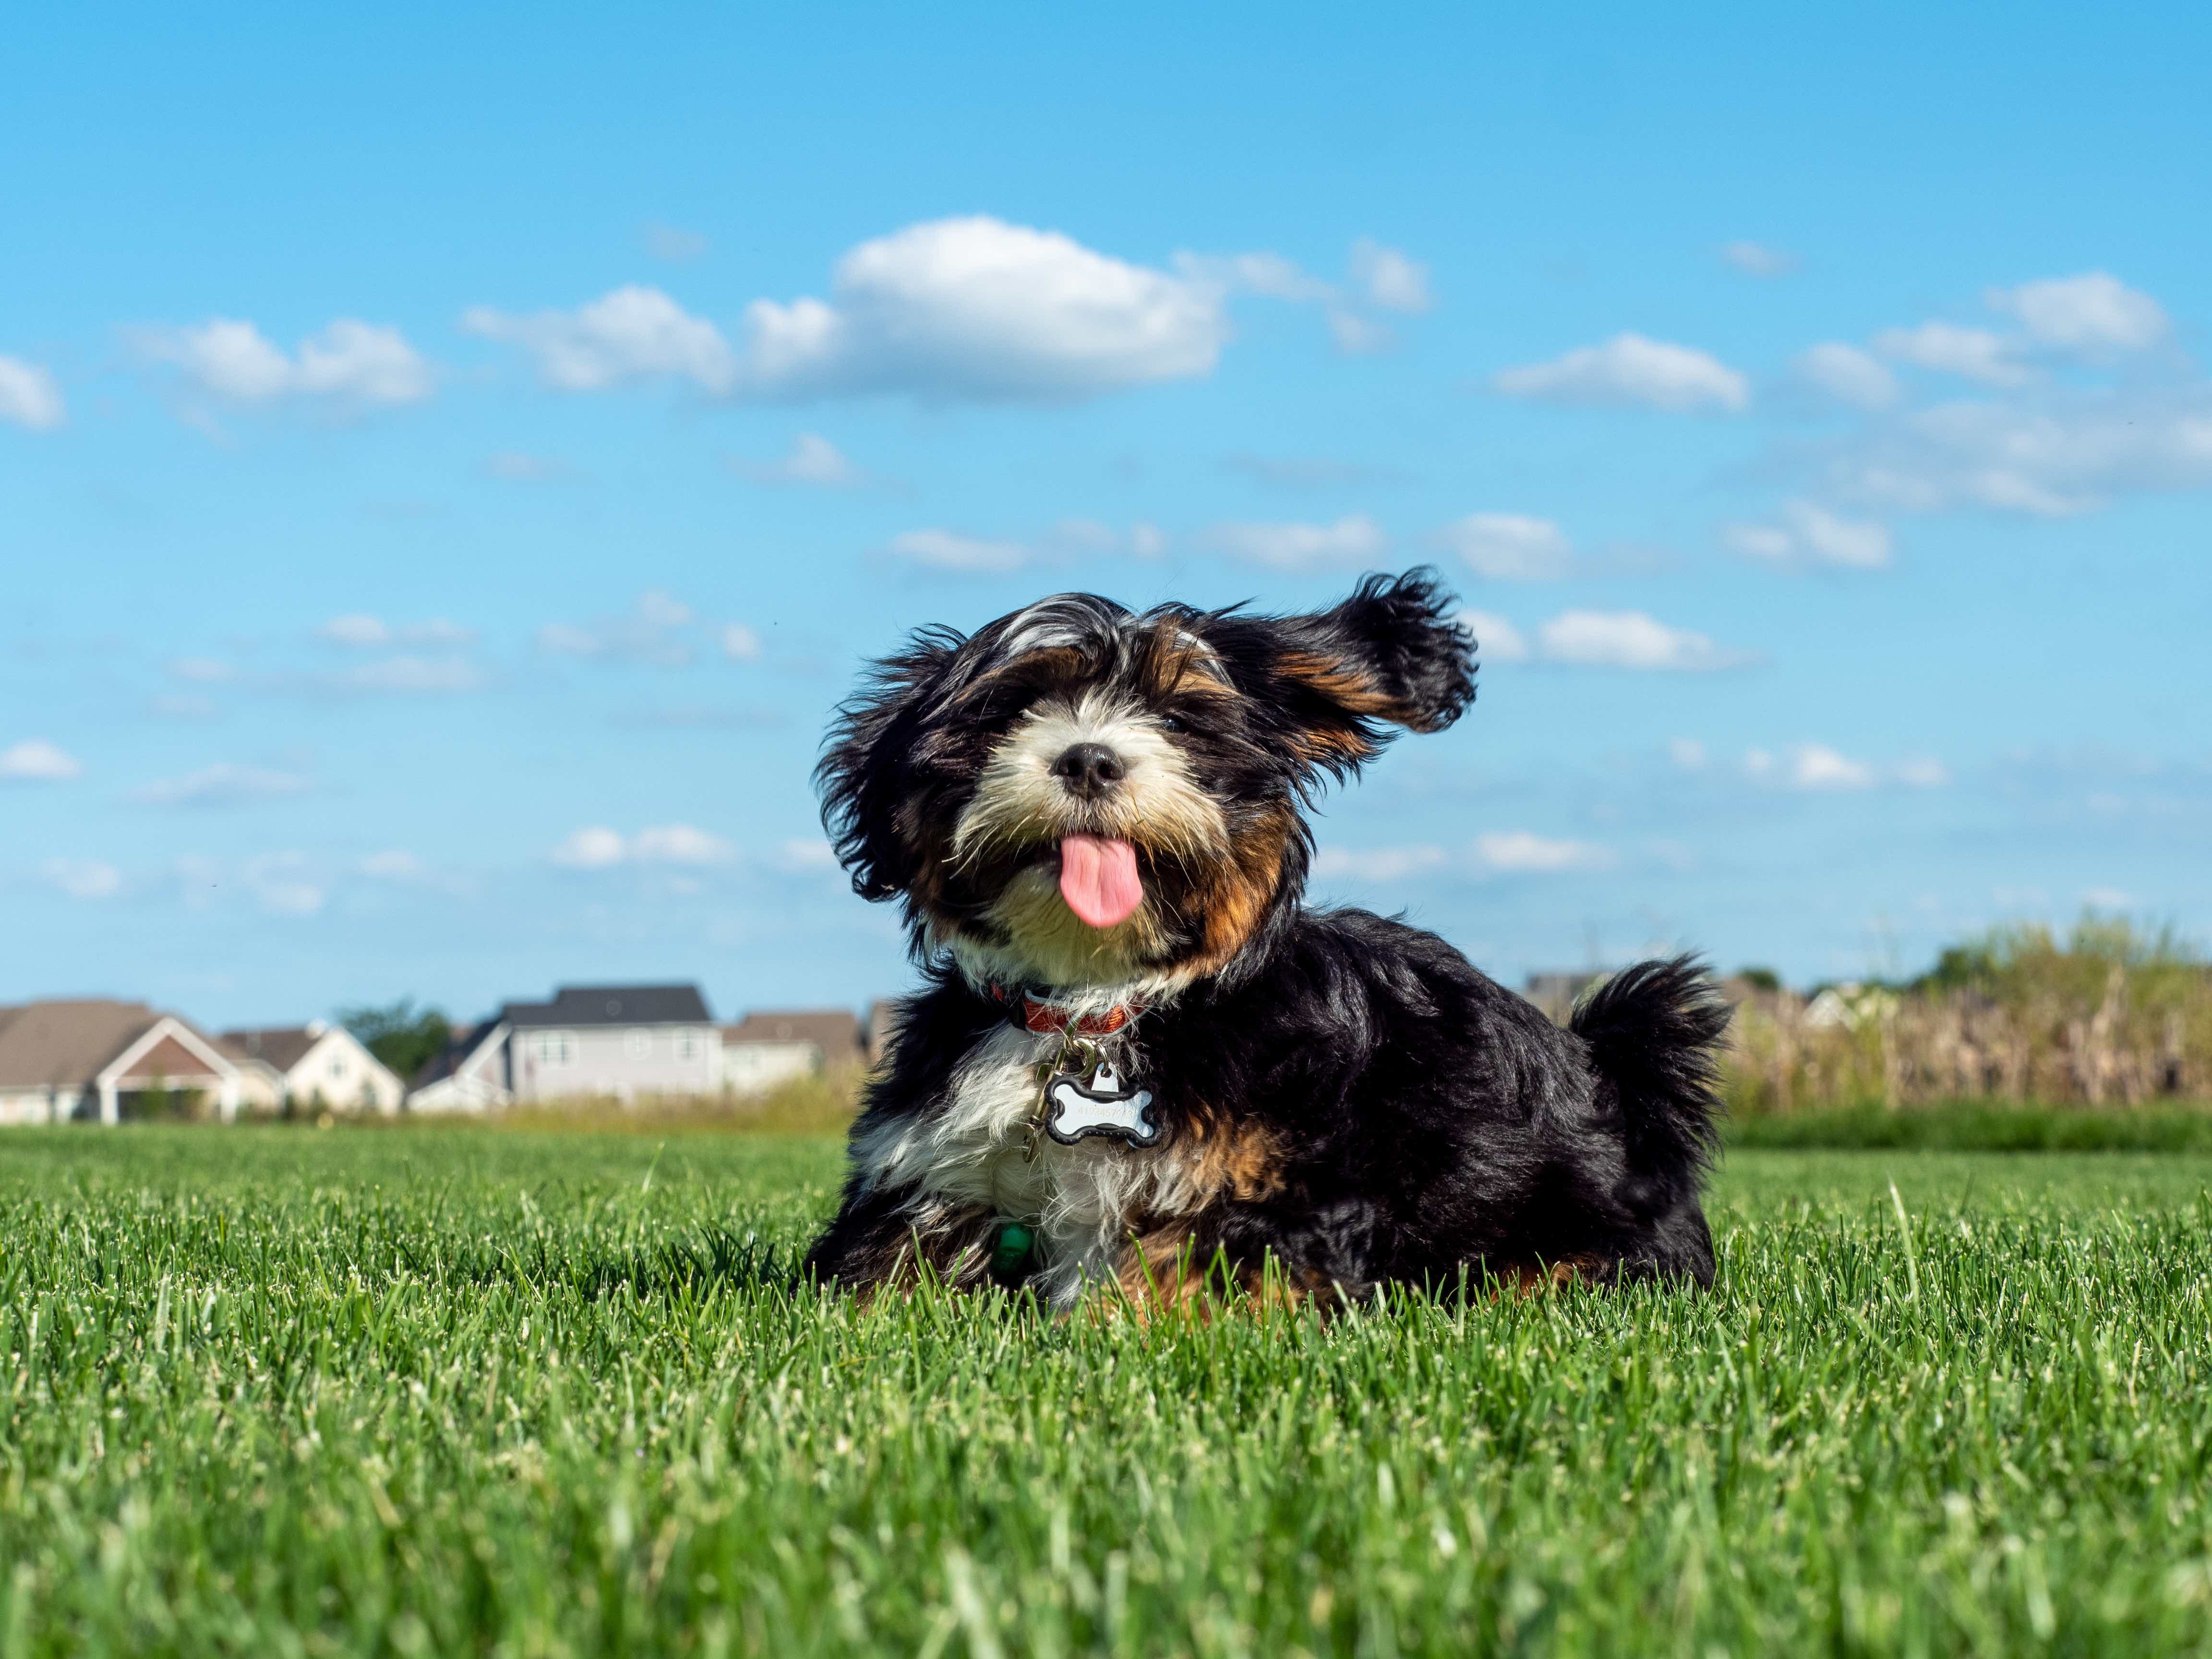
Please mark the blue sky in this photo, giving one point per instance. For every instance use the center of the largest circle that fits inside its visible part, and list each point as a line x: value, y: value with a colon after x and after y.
x: 451, y: 462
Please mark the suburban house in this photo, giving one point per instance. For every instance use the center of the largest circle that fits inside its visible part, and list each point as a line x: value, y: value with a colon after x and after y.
x: 316, y: 1067
x: 632, y: 1041
x: 94, y: 1057
x: 763, y: 1049
x: 619, y: 1040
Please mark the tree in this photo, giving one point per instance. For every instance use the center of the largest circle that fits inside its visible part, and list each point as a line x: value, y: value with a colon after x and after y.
x: 405, y: 1037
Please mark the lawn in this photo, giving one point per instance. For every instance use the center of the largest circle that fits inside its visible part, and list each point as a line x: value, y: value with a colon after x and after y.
x: 442, y: 1391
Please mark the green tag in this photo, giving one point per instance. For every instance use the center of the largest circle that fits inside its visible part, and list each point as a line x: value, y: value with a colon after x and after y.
x: 1015, y: 1242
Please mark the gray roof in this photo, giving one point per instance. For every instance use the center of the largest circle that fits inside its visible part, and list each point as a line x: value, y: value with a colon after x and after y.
x: 282, y: 1047
x: 65, y: 1042
x: 837, y: 1032
x: 612, y: 1004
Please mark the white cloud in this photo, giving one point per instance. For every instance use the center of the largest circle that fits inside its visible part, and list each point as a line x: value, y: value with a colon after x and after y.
x: 1510, y: 546
x: 1924, y: 773
x: 1147, y: 541
x: 394, y: 864
x: 1518, y: 851
x: 221, y: 784
x: 740, y: 643
x: 350, y: 361
x: 2092, y: 312
x: 1270, y: 275
x: 36, y: 761
x: 1495, y: 638
x: 1847, y: 374
x: 635, y: 332
x: 657, y: 629
x: 813, y: 460
x: 30, y: 395
x: 1388, y: 278
x: 679, y: 843
x: 1816, y: 766
x: 806, y: 853
x: 522, y: 467
x: 408, y: 674
x: 1688, y: 753
x: 1350, y: 543
x: 1756, y: 259
x: 2108, y: 898
x: 1356, y: 337
x: 202, y: 670
x: 596, y: 846
x: 1811, y: 534
x: 1630, y: 369
x: 1628, y: 639
x: 1378, y: 863
x: 282, y: 885
x: 975, y: 307
x: 84, y: 878
x: 2060, y: 451
x: 945, y: 550
x: 355, y: 627
x: 1975, y: 353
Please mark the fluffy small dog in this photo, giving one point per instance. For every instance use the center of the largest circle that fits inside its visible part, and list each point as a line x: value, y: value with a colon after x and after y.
x: 1142, y: 1060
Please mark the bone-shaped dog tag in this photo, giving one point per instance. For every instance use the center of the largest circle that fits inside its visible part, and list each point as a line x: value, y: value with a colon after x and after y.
x: 1103, y: 1106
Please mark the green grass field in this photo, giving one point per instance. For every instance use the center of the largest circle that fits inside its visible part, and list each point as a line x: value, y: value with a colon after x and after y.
x: 444, y: 1392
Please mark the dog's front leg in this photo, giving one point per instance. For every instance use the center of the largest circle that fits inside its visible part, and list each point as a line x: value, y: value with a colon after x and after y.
x: 887, y: 1240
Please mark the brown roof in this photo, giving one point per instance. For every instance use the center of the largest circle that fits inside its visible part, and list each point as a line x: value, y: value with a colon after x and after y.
x: 65, y: 1042
x: 283, y: 1047
x: 168, y: 1060
x: 836, y: 1032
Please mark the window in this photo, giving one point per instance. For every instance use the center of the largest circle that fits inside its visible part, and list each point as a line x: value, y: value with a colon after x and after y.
x: 556, y: 1047
x: 641, y: 1044
x: 687, y: 1045
x: 338, y: 1066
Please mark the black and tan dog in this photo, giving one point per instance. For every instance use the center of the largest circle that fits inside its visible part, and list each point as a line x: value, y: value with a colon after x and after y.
x: 1141, y: 1059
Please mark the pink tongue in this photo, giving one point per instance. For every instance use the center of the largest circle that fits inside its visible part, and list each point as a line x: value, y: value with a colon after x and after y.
x: 1098, y: 879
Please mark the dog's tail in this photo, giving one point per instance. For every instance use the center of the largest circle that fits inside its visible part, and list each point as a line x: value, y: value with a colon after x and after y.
x: 1655, y: 1031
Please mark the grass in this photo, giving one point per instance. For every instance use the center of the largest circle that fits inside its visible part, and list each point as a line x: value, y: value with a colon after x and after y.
x: 1978, y: 1126
x: 275, y: 1392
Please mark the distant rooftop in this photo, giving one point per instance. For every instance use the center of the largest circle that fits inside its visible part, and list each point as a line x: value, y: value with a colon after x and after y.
x: 612, y: 1004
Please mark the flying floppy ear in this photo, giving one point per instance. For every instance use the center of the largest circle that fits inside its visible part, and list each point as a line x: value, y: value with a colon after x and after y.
x: 1392, y: 653
x: 867, y: 776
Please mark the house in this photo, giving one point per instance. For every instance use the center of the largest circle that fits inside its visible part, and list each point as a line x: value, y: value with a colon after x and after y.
x: 619, y: 1040
x: 763, y: 1049
x: 468, y: 1075
x: 94, y: 1057
x: 315, y: 1066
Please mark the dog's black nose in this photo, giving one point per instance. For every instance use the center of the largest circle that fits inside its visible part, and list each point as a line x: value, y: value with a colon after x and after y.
x: 1088, y: 769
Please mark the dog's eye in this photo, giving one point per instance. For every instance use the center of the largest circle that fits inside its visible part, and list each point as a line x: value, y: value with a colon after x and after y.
x: 1173, y: 723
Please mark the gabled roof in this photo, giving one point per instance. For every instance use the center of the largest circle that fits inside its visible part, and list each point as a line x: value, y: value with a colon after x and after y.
x: 65, y: 1042
x: 612, y: 1004
x: 836, y: 1031
x: 282, y: 1047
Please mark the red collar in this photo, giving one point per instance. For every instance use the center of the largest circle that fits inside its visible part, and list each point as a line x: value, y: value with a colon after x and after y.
x: 1052, y: 1018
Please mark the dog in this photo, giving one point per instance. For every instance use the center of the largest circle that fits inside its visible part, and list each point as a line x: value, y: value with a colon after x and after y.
x: 1142, y: 1063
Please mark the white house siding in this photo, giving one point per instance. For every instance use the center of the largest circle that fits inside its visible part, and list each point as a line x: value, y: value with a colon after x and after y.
x: 24, y: 1106
x: 549, y: 1063
x: 750, y: 1067
x: 344, y: 1075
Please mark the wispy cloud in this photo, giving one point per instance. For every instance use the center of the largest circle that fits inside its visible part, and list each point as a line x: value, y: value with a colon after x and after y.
x: 812, y: 460
x: 349, y: 363
x: 83, y: 878
x: 596, y: 846
x: 1631, y: 370
x: 1810, y: 534
x: 35, y: 760
x: 30, y: 397
x: 1630, y: 640
x: 223, y: 784
x: 1757, y: 260
x: 1350, y: 543
x: 1510, y: 546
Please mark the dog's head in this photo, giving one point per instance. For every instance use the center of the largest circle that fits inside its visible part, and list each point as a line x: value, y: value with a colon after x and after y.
x: 1078, y: 796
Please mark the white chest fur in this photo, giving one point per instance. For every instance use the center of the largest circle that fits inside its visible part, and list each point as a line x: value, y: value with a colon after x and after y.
x: 1083, y: 1200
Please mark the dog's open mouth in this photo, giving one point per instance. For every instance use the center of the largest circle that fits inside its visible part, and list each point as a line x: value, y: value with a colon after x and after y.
x: 1098, y: 878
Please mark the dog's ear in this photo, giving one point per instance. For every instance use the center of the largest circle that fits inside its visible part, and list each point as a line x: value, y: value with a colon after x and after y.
x: 1392, y: 653
x: 863, y: 772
